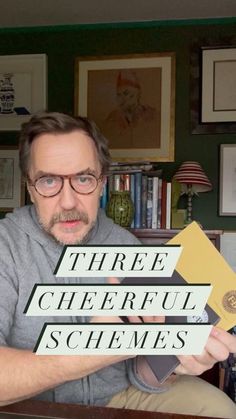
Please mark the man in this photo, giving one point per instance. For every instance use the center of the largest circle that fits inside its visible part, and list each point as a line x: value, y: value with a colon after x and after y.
x: 64, y: 161
x: 132, y: 124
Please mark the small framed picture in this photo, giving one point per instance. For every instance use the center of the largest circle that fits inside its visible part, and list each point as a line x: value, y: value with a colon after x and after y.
x: 218, y: 85
x: 227, y: 204
x: 11, y: 186
x: 23, y: 88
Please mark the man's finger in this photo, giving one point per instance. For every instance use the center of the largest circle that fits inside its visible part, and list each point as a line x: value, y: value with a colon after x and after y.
x: 226, y: 338
x: 153, y: 319
x: 113, y: 280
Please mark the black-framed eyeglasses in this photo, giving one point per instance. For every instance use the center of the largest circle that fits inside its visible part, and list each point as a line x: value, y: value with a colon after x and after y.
x: 51, y: 185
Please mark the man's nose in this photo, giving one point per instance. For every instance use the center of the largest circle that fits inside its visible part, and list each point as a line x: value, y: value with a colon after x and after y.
x: 68, y: 197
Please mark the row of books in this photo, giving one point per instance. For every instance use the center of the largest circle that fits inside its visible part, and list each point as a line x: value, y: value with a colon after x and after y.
x: 151, y: 196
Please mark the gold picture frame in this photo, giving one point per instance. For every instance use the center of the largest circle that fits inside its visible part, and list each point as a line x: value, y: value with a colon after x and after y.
x: 132, y: 100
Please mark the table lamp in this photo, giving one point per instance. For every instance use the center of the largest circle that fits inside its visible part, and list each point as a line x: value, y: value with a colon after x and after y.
x: 193, y: 180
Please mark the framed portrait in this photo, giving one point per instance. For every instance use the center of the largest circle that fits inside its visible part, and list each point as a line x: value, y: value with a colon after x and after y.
x: 197, y: 95
x: 132, y: 100
x: 23, y: 88
x: 11, y: 186
x: 218, y: 85
x: 227, y: 195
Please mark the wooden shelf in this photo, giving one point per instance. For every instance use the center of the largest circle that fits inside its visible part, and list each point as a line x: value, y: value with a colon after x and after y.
x: 157, y: 236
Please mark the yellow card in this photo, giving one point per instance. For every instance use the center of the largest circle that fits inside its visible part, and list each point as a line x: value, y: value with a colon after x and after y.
x: 200, y: 262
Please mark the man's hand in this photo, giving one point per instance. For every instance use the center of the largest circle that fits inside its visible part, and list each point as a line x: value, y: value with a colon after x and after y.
x: 218, y: 347
x: 131, y: 319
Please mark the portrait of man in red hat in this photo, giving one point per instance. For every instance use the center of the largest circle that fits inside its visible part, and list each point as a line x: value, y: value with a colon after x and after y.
x: 132, y: 123
x: 131, y: 106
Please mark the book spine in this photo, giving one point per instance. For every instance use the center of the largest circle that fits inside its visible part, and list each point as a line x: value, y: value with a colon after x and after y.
x: 137, y: 214
x: 126, y: 182
x: 168, y: 205
x: 116, y: 182
x: 159, y: 203
x: 149, y: 203
x: 163, y: 204
x: 110, y: 181
x: 132, y: 193
x: 144, y: 201
x: 104, y: 197
x: 154, y: 201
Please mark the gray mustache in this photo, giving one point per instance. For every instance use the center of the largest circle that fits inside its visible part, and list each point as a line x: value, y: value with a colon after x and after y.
x: 69, y: 216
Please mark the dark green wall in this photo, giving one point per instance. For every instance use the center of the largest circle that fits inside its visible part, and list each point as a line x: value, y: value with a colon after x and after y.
x: 63, y: 44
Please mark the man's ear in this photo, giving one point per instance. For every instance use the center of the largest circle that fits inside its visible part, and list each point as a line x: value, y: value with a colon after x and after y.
x: 29, y: 192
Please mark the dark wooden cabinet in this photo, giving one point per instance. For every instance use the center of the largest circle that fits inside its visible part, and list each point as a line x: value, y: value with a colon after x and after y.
x: 150, y: 236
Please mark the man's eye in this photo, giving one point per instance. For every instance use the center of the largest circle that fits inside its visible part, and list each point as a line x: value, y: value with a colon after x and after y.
x: 83, y: 179
x: 48, y: 181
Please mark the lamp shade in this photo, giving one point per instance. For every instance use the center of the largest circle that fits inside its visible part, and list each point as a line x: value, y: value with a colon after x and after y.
x: 191, y: 173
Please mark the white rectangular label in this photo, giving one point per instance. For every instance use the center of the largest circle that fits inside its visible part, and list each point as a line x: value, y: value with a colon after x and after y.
x: 119, y: 261
x: 117, y: 300
x: 119, y: 338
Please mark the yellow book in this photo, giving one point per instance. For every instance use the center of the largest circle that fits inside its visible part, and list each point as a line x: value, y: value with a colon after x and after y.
x: 200, y: 262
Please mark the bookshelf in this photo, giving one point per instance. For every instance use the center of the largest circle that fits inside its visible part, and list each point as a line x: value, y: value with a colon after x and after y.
x: 149, y: 192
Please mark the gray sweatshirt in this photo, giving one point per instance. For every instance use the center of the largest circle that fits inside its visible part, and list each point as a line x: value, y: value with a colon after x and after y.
x: 28, y: 256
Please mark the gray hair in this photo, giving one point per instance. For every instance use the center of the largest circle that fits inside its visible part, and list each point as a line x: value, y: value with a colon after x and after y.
x: 59, y: 123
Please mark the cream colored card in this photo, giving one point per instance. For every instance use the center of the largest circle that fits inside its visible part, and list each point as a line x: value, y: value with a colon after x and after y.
x: 201, y: 262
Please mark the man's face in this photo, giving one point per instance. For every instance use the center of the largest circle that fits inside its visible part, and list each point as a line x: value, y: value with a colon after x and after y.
x: 128, y: 97
x: 68, y: 216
